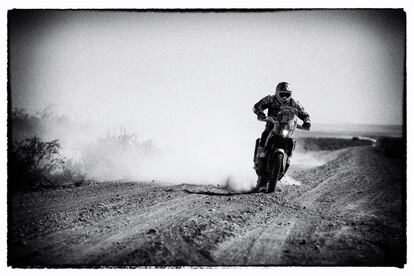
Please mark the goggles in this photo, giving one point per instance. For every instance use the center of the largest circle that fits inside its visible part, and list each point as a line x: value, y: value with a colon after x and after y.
x: 284, y: 94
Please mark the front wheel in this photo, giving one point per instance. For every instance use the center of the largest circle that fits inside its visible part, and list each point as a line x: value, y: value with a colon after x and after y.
x: 277, y: 171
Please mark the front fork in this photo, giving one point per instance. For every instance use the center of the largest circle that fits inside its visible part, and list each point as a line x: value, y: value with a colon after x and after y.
x: 285, y: 166
x: 285, y: 159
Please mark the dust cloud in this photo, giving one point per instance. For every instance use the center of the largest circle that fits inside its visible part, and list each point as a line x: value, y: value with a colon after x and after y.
x: 108, y: 152
x: 220, y: 155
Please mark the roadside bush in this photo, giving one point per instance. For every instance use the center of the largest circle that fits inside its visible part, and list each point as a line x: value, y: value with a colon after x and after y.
x: 391, y: 147
x: 32, y: 162
x: 124, y: 140
x: 70, y: 172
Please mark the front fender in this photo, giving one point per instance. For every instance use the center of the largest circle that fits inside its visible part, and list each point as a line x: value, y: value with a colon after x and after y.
x: 280, y: 150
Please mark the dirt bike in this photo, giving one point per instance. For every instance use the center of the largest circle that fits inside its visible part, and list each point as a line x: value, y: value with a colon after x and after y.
x: 278, y: 149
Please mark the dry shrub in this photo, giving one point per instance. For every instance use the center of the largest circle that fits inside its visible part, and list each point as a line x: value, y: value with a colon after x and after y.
x: 70, y: 173
x: 32, y: 162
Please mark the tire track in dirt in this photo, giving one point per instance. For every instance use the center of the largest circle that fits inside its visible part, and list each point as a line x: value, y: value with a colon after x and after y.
x: 262, y: 246
x: 155, y: 217
x: 90, y: 243
x: 338, y: 213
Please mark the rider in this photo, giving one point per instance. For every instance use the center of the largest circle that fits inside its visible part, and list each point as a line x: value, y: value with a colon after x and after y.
x: 273, y: 104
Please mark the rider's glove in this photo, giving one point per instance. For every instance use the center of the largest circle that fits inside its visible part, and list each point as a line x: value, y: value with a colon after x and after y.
x: 261, y: 116
x: 306, y: 125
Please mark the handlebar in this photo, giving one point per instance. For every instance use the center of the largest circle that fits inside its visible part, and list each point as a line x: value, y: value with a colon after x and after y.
x: 268, y: 119
x: 271, y: 120
x: 302, y: 128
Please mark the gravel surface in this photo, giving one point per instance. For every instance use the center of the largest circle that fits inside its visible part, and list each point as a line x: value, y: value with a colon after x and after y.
x: 348, y: 211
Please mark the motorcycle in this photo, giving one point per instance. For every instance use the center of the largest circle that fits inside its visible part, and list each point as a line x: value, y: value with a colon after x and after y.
x: 278, y: 149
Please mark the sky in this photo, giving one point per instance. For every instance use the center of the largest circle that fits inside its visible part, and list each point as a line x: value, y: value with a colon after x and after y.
x: 191, y: 79
x: 344, y: 66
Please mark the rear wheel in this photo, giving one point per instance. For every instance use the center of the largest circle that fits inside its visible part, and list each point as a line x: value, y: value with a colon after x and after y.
x: 277, y: 170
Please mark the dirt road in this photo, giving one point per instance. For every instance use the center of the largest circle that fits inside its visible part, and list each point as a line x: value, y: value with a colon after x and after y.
x: 346, y: 212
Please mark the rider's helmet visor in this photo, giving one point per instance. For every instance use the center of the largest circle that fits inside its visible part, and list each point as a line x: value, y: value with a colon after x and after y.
x: 284, y: 95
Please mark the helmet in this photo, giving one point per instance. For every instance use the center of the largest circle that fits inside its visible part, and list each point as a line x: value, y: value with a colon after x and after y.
x: 283, y: 92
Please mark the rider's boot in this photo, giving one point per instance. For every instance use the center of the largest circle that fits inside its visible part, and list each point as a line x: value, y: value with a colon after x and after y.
x: 260, y: 155
x: 261, y: 152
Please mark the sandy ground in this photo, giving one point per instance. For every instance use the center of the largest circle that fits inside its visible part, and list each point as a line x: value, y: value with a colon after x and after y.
x: 348, y: 211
